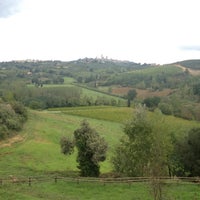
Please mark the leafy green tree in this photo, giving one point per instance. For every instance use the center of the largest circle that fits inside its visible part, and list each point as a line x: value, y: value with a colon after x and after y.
x: 145, y: 149
x: 196, y: 90
x: 131, y: 157
x: 187, y: 153
x: 152, y: 102
x: 91, y: 149
x: 144, y: 142
x: 131, y: 95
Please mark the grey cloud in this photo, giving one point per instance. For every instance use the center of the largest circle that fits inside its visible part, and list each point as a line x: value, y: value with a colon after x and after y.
x: 191, y: 48
x: 8, y: 7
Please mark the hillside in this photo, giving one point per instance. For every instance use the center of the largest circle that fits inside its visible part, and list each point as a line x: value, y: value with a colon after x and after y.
x: 192, y: 64
x: 88, y: 81
x: 36, y: 150
x: 36, y: 154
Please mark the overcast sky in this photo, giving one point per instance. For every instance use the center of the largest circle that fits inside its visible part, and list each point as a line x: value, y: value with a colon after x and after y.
x: 151, y: 31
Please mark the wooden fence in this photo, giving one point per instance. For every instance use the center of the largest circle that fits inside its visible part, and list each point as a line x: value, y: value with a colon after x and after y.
x: 128, y: 180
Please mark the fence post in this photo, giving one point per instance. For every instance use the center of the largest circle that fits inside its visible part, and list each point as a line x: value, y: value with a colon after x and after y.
x: 1, y: 182
x: 29, y: 181
x: 129, y: 183
x: 56, y: 179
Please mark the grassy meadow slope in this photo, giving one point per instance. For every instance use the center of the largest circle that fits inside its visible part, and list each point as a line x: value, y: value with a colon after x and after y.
x: 36, y: 152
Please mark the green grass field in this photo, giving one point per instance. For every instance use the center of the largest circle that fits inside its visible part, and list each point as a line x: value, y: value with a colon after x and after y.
x: 95, y: 191
x: 36, y: 152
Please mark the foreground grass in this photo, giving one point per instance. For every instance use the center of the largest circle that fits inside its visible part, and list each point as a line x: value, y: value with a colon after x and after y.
x: 39, y: 150
x: 97, y: 191
x: 38, y: 153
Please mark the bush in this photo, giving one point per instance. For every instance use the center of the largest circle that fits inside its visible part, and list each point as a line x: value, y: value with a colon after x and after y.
x: 3, y: 132
x: 12, y: 117
x: 152, y: 102
x: 165, y: 108
x: 187, y: 154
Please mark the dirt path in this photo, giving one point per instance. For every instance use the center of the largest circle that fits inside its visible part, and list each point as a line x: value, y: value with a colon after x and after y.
x: 191, y: 71
x: 10, y: 141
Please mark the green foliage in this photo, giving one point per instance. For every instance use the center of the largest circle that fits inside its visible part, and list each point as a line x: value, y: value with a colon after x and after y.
x: 187, y: 152
x: 67, y: 146
x: 12, y: 117
x: 155, y: 77
x: 145, y: 147
x: 3, y: 132
x: 131, y: 95
x: 196, y: 89
x: 52, y: 97
x: 152, y: 102
x: 20, y: 110
x: 91, y: 149
x: 166, y: 108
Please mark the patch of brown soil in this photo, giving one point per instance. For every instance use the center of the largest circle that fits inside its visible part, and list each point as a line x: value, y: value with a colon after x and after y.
x: 121, y: 90
x: 142, y: 94
x: 10, y: 141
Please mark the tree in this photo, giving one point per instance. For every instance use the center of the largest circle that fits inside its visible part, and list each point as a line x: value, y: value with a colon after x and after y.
x: 196, y: 90
x: 145, y: 149
x: 152, y: 102
x: 131, y: 95
x: 187, y: 153
x: 131, y: 157
x: 91, y: 149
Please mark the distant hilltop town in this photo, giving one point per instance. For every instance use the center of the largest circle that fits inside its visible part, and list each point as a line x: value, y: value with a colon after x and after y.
x: 101, y: 59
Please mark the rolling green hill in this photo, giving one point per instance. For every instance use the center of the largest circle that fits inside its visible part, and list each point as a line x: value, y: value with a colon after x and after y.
x: 35, y: 152
x: 36, y: 149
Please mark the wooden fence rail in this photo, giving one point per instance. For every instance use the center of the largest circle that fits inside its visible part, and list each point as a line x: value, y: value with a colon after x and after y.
x: 128, y: 180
